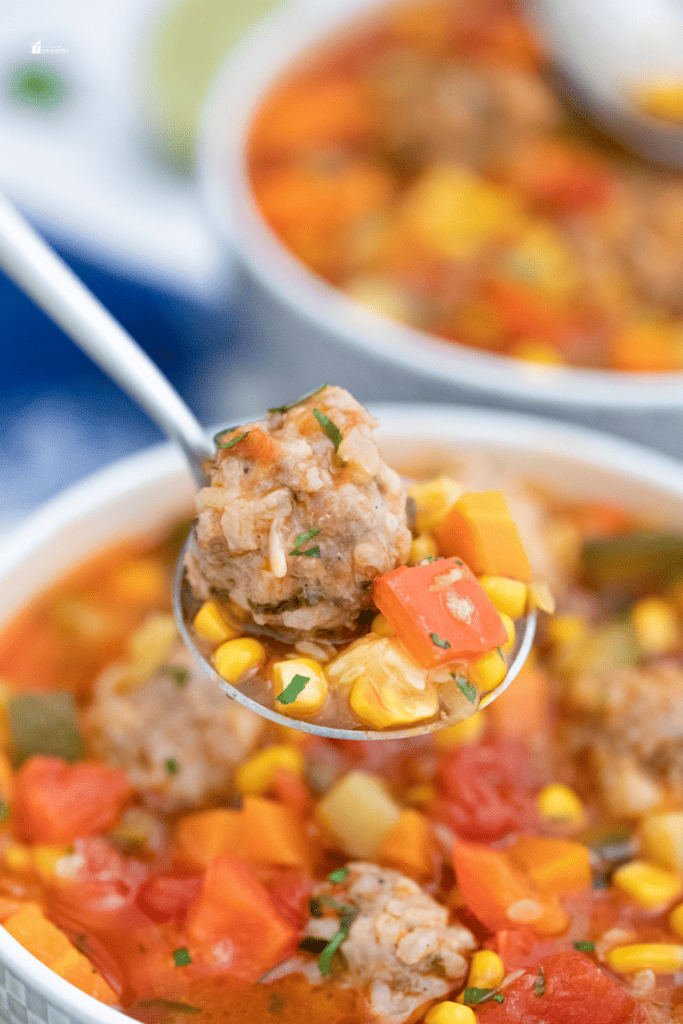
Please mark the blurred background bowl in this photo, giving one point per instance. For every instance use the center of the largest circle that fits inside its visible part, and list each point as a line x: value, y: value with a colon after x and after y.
x: 308, y: 324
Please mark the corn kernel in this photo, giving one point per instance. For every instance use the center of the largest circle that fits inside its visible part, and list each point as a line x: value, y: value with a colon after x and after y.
x: 660, y: 957
x: 314, y: 693
x: 656, y: 625
x: 235, y: 658
x: 510, y: 630
x: 488, y: 671
x: 434, y: 499
x: 649, y: 885
x: 540, y: 597
x: 676, y: 919
x: 422, y: 547
x: 17, y: 857
x: 564, y: 629
x: 417, y: 796
x: 256, y: 774
x: 467, y: 731
x: 210, y: 624
x: 450, y: 1013
x: 486, y: 970
x: 559, y: 803
x: 508, y: 595
x: 45, y: 858
x: 385, y: 704
x: 380, y: 626
x: 661, y: 839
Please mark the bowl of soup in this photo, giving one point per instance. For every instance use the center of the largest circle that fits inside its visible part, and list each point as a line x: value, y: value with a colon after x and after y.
x: 406, y: 179
x: 165, y: 854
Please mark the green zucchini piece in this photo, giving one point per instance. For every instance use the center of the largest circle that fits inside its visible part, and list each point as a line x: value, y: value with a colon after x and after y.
x: 633, y: 559
x: 43, y: 723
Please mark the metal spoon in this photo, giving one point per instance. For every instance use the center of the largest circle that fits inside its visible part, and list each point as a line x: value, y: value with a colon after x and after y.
x: 40, y: 272
x: 605, y: 51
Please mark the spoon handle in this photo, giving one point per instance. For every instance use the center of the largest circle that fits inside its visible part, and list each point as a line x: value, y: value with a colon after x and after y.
x: 41, y: 273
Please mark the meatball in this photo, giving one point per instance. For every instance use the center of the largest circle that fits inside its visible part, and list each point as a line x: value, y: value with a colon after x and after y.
x: 302, y: 514
x: 400, y: 945
x: 174, y: 732
x: 629, y: 723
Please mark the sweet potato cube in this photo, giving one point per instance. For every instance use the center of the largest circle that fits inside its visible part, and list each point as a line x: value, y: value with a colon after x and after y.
x: 480, y: 530
x: 557, y: 866
x: 409, y: 845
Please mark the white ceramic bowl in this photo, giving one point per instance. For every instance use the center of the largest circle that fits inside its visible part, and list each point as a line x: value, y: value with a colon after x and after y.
x: 299, y: 320
x: 147, y: 492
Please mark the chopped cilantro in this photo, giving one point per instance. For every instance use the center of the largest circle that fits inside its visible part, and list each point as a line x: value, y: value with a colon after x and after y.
x: 474, y: 996
x: 439, y: 641
x: 313, y: 552
x: 539, y: 984
x: 304, y: 398
x: 181, y: 957
x: 231, y: 442
x: 330, y: 428
x: 498, y: 997
x: 585, y: 947
x: 178, y: 673
x: 467, y: 689
x: 172, y: 767
x: 339, y: 875
x: 293, y: 689
x: 325, y: 958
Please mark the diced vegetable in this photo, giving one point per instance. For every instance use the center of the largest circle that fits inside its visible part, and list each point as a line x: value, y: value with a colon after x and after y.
x: 632, y: 559
x: 409, y: 846
x: 55, y: 802
x: 256, y: 774
x: 480, y: 530
x: 660, y: 957
x: 499, y: 895
x: 661, y: 839
x: 508, y: 595
x: 651, y: 886
x: 262, y: 832
x: 360, y: 813
x: 560, y: 804
x: 433, y: 499
x: 49, y: 944
x: 521, y: 711
x: 439, y: 611
x: 233, y: 903
x: 235, y: 658
x: 557, y: 866
x: 383, y: 704
x: 43, y: 723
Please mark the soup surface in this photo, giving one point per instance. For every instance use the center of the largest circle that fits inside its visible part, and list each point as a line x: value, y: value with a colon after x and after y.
x: 424, y: 164
x: 173, y: 855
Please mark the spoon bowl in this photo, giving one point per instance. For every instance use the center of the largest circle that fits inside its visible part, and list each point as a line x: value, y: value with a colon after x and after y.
x: 37, y: 269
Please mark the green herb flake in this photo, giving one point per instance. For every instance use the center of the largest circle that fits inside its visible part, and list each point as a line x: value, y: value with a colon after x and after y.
x: 498, y: 997
x: 330, y: 428
x: 303, y: 537
x: 467, y: 689
x: 178, y: 673
x: 231, y: 442
x: 439, y: 641
x: 169, y: 1004
x: 340, y: 875
x: 325, y: 958
x: 313, y: 552
x: 4, y: 812
x: 172, y: 767
x: 585, y: 947
x: 474, y: 996
x: 182, y: 957
x: 539, y: 984
x: 299, y: 401
x: 293, y: 689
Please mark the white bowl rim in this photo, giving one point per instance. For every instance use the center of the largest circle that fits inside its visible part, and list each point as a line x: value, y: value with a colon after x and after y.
x: 442, y: 423
x: 262, y: 56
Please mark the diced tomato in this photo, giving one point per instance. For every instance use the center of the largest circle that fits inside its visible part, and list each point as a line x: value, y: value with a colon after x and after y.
x: 566, y: 988
x: 288, y: 787
x: 56, y: 802
x: 168, y: 897
x: 235, y: 910
x: 439, y: 611
x: 485, y: 790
